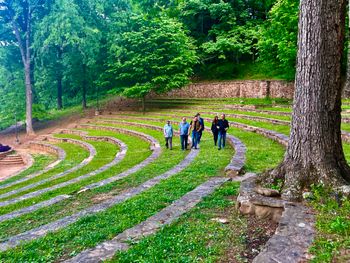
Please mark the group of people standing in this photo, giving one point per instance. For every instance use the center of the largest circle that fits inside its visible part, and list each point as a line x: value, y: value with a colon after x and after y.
x: 195, y: 128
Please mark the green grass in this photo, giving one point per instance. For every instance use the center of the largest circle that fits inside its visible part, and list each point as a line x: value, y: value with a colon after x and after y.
x: 105, y: 153
x: 138, y: 150
x: 184, y: 241
x: 257, y: 160
x: 333, y: 227
x: 222, y: 101
x: 226, y: 111
x: 93, y: 229
x: 40, y: 162
x: 75, y: 154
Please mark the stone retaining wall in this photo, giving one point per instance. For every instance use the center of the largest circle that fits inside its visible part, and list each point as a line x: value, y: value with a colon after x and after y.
x: 233, y: 89
x: 44, y: 147
x: 295, y: 231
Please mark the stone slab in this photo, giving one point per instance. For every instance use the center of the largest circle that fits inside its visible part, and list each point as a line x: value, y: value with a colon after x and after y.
x: 92, y: 153
x: 107, y: 249
x: 59, y: 152
x: 65, y: 221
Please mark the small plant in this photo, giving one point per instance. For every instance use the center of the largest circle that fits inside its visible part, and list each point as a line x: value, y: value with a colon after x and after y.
x: 277, y: 185
x: 340, y: 225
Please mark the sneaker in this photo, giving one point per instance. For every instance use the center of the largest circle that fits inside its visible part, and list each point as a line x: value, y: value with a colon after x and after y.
x: 219, y: 149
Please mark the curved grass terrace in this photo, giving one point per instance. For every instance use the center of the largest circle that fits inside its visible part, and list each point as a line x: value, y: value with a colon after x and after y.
x: 40, y: 162
x: 150, y: 179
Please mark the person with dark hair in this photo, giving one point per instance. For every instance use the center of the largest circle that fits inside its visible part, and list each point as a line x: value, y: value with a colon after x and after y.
x: 184, y: 128
x: 214, y: 129
x: 223, y: 126
x: 195, y: 127
x: 201, y: 122
x: 4, y: 148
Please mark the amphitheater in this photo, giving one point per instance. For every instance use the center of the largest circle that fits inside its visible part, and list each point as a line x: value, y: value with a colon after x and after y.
x: 106, y: 188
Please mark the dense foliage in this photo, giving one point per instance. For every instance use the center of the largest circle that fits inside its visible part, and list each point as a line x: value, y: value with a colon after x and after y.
x: 151, y: 55
x: 84, y: 49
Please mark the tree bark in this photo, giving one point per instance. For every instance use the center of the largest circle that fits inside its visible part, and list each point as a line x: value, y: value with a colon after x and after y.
x: 315, y: 152
x: 24, y: 47
x: 346, y: 93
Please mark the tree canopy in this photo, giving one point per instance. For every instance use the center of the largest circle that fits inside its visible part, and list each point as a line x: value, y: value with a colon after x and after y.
x: 82, y: 49
x: 151, y: 54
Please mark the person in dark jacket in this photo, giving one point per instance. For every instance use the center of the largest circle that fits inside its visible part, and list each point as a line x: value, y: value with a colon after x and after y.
x: 215, y: 130
x: 201, y: 122
x: 223, y: 126
x: 195, y: 127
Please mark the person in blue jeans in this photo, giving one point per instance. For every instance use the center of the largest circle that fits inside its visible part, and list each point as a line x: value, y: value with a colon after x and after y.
x: 184, y: 128
x: 223, y: 126
x: 168, y: 135
x: 201, y: 122
x: 195, y: 127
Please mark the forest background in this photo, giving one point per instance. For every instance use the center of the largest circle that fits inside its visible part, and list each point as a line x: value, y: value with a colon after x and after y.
x: 83, y: 50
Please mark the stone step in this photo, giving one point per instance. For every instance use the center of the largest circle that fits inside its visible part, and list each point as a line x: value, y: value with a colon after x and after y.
x: 11, y: 163
x: 65, y: 221
x: 168, y: 215
x: 20, y: 161
x: 12, y: 160
x: 45, y: 147
x: 92, y: 151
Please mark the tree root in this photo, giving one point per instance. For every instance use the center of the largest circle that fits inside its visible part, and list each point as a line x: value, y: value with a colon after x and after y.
x: 297, y: 179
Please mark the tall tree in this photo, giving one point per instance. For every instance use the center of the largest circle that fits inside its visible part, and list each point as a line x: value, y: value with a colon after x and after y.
x: 16, y: 19
x: 152, y: 54
x: 278, y: 37
x: 315, y: 153
x: 12, y: 97
x: 226, y: 32
x: 59, y: 31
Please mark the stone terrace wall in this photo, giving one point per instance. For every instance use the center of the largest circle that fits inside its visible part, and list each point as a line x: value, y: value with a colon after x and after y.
x: 233, y: 89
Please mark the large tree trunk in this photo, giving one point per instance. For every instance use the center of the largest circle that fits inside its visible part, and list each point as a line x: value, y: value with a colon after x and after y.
x: 28, y: 81
x: 20, y: 19
x: 346, y: 92
x: 29, y: 99
x: 24, y: 47
x: 315, y: 153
